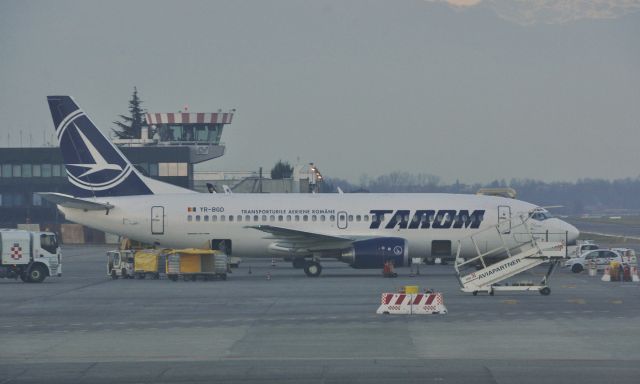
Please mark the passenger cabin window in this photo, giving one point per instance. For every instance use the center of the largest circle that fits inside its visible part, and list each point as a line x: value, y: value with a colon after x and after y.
x: 272, y: 218
x: 358, y: 218
x: 322, y: 218
x: 264, y: 217
x: 350, y: 217
x: 214, y: 218
x: 366, y: 217
x: 189, y: 218
x: 288, y: 217
x: 239, y: 218
x: 206, y: 217
x: 305, y: 218
x: 255, y: 217
x: 297, y: 217
x: 280, y: 218
x: 332, y: 218
x: 247, y: 218
x: 197, y: 217
x: 314, y: 218
x: 230, y: 217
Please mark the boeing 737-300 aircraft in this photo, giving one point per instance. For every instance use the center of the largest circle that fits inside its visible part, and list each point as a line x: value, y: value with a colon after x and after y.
x: 363, y: 230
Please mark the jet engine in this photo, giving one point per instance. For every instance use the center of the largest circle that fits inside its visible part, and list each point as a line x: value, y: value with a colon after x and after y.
x: 373, y: 253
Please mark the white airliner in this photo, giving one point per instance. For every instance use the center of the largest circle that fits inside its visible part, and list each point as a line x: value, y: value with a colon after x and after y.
x: 363, y: 230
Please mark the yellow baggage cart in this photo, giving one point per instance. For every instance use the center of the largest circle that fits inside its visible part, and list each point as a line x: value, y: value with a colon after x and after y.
x: 191, y: 264
x: 148, y: 263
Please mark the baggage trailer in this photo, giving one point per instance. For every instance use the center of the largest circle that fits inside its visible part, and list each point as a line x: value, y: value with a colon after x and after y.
x: 148, y: 263
x: 192, y: 263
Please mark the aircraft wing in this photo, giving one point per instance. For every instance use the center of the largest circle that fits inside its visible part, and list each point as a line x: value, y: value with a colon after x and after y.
x: 296, y: 239
x: 75, y: 202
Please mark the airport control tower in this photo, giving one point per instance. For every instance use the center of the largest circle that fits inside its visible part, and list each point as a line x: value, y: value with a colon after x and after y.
x: 176, y: 141
x: 200, y: 132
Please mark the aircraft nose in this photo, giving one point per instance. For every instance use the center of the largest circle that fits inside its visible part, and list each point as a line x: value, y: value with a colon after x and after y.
x: 572, y: 233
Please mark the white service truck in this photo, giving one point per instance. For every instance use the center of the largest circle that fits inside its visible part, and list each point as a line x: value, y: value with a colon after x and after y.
x: 30, y: 256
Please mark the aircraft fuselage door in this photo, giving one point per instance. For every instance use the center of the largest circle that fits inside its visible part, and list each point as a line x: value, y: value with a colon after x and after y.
x: 504, y: 219
x: 157, y: 220
x: 342, y: 220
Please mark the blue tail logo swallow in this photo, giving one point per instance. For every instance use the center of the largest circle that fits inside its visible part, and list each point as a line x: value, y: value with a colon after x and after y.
x: 94, y: 166
x: 100, y: 164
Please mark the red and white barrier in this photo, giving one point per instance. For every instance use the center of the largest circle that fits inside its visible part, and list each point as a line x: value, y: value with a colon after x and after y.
x: 607, y: 274
x: 408, y: 304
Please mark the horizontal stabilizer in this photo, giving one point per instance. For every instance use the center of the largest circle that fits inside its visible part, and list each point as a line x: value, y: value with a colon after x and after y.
x: 74, y: 202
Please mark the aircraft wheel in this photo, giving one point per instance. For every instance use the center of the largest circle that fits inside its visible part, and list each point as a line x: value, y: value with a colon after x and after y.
x: 546, y: 291
x: 313, y: 269
x: 577, y: 268
x: 475, y: 293
x: 114, y: 274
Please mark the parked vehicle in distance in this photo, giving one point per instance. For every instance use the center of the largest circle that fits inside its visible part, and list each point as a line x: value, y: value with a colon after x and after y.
x: 581, y: 247
x: 628, y: 255
x: 602, y: 258
x: 31, y: 256
x: 120, y: 264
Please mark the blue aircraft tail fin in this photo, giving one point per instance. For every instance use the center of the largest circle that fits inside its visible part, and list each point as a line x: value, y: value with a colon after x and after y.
x: 94, y: 166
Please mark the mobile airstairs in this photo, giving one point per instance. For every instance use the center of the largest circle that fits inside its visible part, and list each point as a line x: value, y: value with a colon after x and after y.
x: 504, y: 251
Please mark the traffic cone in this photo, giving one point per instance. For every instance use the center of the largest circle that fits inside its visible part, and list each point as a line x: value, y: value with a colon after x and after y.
x: 607, y: 274
x: 634, y: 274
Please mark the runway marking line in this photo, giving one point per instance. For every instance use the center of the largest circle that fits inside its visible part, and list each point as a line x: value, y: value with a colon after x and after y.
x: 616, y: 301
x: 577, y: 301
x: 510, y: 301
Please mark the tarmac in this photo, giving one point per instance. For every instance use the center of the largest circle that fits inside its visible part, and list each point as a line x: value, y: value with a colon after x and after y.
x: 86, y: 328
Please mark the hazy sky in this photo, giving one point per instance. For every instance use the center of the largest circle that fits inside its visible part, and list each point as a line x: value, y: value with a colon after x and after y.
x: 466, y: 89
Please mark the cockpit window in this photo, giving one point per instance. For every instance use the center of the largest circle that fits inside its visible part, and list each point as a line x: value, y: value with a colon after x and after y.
x: 540, y: 215
x: 49, y: 243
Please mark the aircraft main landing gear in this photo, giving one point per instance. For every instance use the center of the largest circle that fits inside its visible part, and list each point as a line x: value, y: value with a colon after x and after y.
x: 299, y: 263
x: 313, y: 269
